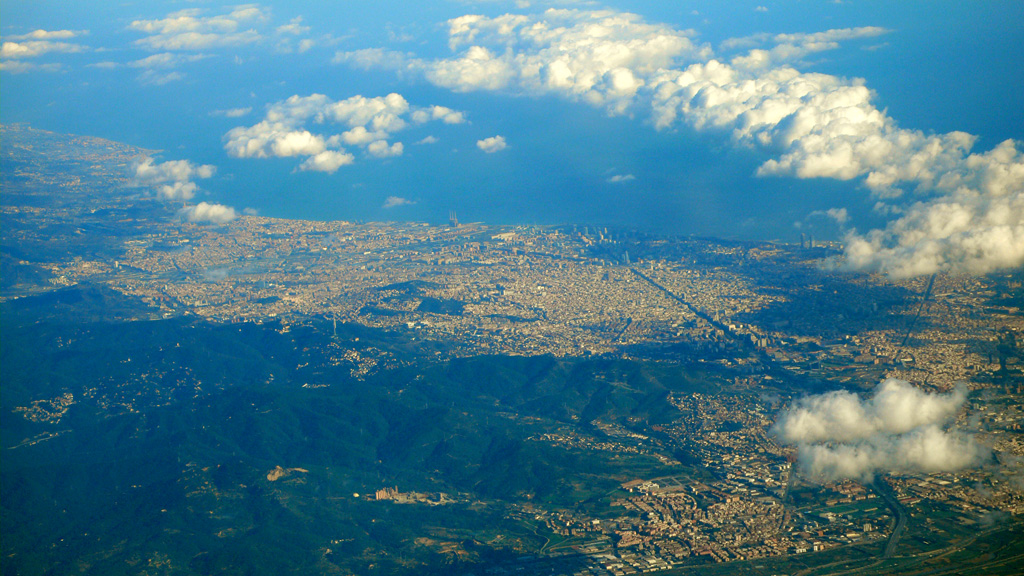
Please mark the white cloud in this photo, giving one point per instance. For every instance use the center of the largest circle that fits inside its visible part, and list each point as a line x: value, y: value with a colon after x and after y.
x: 190, y: 30
x: 20, y: 67
x: 381, y: 113
x: 596, y: 56
x: 16, y: 49
x: 289, y: 37
x: 360, y: 136
x: 428, y: 140
x: 838, y: 214
x: 381, y: 149
x: 895, y: 407
x: 157, y: 69
x: 792, y: 47
x: 961, y: 211
x: 208, y: 213
x: 148, y: 171
x: 172, y: 179
x: 35, y: 48
x: 154, y: 78
x: 492, y: 144
x: 967, y: 233
x: 177, y: 190
x: 245, y: 25
x: 621, y: 178
x: 232, y: 112
x: 295, y: 27
x: 327, y: 161
x: 371, y: 122
x: 396, y: 201
x: 297, y: 143
x: 166, y: 60
x: 49, y: 35
x: 928, y: 449
x: 269, y: 139
x: 899, y: 428
x: 447, y: 115
x: 367, y: 58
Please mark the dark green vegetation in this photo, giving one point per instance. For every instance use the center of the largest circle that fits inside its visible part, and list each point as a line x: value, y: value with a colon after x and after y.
x: 160, y: 455
x: 158, y: 460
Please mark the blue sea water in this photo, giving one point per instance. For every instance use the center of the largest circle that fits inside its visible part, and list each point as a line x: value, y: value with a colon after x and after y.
x: 944, y: 66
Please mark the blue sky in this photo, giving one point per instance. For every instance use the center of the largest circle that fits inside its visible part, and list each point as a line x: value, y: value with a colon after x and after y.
x: 896, y: 127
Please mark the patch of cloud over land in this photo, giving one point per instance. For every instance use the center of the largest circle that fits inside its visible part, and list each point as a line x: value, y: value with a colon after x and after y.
x: 206, y: 213
x: 899, y: 428
x: 954, y: 209
x: 172, y: 180
x: 358, y: 122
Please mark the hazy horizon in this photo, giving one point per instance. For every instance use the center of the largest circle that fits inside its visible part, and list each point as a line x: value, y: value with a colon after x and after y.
x: 860, y: 121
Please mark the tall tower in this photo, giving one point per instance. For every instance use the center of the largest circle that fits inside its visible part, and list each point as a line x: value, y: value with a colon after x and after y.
x: 453, y: 221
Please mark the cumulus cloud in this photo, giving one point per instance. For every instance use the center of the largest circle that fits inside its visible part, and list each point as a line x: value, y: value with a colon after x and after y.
x: 899, y: 428
x: 149, y: 171
x: 492, y: 144
x: 289, y: 38
x: 327, y: 161
x: 157, y: 69
x: 172, y: 180
x: 295, y: 27
x: 792, y: 47
x: 16, y: 49
x: 360, y: 136
x: 895, y: 407
x: 195, y: 29
x: 396, y: 201
x: 34, y: 48
x: 191, y: 30
x: 975, y: 227
x: 446, y: 115
x: 359, y: 121
x: 381, y: 149
x: 961, y: 211
x: 598, y: 57
x: 621, y: 178
x: 204, y: 213
x: 838, y: 214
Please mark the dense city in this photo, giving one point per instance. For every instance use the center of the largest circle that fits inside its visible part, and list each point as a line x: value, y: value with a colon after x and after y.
x: 763, y: 318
